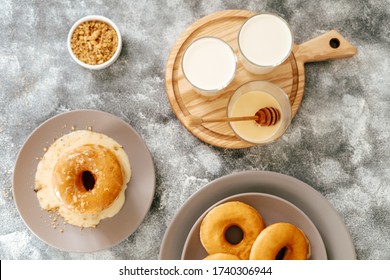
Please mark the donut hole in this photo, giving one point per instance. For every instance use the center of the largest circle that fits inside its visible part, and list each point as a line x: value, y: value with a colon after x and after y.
x: 88, y: 180
x: 280, y: 254
x: 234, y: 235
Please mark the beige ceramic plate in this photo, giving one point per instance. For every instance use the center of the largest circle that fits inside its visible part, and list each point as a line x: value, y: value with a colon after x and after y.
x: 334, y: 233
x: 273, y: 209
x: 111, y: 231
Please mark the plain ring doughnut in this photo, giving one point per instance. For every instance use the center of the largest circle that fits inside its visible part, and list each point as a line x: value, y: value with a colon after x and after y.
x: 277, y: 236
x: 216, y: 222
x: 221, y: 256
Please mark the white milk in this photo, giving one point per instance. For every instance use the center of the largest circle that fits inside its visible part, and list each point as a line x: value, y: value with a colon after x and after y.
x: 209, y: 64
x: 265, y: 41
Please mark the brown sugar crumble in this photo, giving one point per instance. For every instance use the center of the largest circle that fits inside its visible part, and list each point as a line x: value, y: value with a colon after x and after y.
x: 94, y: 42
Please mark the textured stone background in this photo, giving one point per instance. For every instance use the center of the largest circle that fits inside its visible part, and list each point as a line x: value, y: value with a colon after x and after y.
x: 338, y: 142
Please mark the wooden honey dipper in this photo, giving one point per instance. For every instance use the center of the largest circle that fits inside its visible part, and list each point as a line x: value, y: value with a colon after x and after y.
x: 265, y: 117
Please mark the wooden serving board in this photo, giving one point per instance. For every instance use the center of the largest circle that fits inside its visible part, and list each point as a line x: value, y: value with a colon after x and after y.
x: 290, y: 75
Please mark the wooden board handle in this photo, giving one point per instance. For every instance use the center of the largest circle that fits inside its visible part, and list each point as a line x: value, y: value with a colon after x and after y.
x: 330, y: 45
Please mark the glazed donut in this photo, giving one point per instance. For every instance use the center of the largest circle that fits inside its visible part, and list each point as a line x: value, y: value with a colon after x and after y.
x: 216, y: 222
x: 71, y: 183
x: 277, y: 236
x: 221, y: 256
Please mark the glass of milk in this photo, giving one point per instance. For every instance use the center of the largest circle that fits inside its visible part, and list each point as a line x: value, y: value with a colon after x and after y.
x: 265, y: 41
x: 251, y: 97
x: 209, y: 65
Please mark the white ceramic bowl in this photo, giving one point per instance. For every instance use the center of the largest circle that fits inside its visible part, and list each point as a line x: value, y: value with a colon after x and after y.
x: 108, y: 62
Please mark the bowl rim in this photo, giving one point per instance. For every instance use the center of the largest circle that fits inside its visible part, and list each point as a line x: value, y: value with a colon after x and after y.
x: 114, y: 56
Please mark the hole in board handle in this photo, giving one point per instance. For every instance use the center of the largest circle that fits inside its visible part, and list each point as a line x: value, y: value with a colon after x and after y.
x: 334, y: 43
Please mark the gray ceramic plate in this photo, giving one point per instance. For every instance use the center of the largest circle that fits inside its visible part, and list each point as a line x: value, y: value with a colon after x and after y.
x: 273, y: 209
x: 337, y: 240
x: 111, y: 231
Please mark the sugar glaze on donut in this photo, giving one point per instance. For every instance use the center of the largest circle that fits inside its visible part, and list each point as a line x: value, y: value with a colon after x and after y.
x: 44, y: 184
x: 88, y: 179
